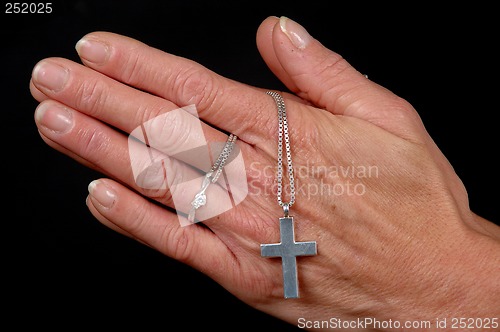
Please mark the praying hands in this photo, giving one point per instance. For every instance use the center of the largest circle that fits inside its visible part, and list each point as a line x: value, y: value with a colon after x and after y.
x: 335, y: 201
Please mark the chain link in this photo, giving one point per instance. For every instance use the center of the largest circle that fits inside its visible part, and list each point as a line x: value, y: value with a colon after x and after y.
x: 283, y: 135
x: 200, y: 198
x: 221, y: 161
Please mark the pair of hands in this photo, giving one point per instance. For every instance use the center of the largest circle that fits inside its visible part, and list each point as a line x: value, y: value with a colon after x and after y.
x: 405, y: 246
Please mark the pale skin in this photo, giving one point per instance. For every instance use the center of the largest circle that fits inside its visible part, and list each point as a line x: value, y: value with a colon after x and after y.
x: 408, y: 248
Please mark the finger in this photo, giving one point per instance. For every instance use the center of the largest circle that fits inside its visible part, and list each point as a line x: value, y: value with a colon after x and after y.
x: 135, y: 216
x: 164, y: 179
x: 328, y: 81
x: 266, y: 49
x: 224, y: 103
x: 173, y: 133
x: 174, y: 136
x: 121, y: 106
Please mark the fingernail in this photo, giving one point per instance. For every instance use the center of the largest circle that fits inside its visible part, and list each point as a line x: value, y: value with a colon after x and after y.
x: 50, y: 76
x: 92, y: 51
x: 299, y: 36
x: 54, y: 118
x: 102, y: 194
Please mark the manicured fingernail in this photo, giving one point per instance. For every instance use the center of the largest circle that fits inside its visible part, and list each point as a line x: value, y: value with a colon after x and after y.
x: 50, y: 76
x: 55, y: 118
x: 92, y: 51
x: 102, y: 194
x: 295, y: 32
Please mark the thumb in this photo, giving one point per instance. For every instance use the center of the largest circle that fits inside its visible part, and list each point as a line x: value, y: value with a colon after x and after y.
x: 327, y: 80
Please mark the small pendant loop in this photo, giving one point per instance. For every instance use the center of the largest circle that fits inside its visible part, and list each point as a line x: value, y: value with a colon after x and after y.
x: 286, y: 209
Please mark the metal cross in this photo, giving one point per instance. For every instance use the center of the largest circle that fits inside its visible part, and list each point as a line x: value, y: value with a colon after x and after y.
x: 288, y: 250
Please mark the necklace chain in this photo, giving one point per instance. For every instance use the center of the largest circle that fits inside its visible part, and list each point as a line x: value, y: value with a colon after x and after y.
x: 283, y: 135
x: 211, y: 176
x: 221, y: 161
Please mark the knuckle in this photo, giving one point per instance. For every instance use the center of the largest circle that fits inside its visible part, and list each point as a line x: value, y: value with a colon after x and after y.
x: 167, y: 132
x: 93, y: 142
x: 329, y: 78
x: 163, y: 195
x: 160, y: 186
x: 196, y: 86
x: 331, y: 65
x: 139, y: 219
x: 91, y: 95
x: 149, y: 111
x: 132, y: 70
x: 399, y: 110
x: 178, y: 243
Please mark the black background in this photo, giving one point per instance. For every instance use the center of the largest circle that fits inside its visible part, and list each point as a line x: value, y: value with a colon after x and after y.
x: 63, y: 269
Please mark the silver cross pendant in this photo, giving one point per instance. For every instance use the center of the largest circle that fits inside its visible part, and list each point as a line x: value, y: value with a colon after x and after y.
x: 288, y: 250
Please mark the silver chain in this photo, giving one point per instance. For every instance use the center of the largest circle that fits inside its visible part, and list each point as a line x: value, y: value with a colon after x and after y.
x: 283, y: 134
x: 221, y: 161
x: 200, y: 198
